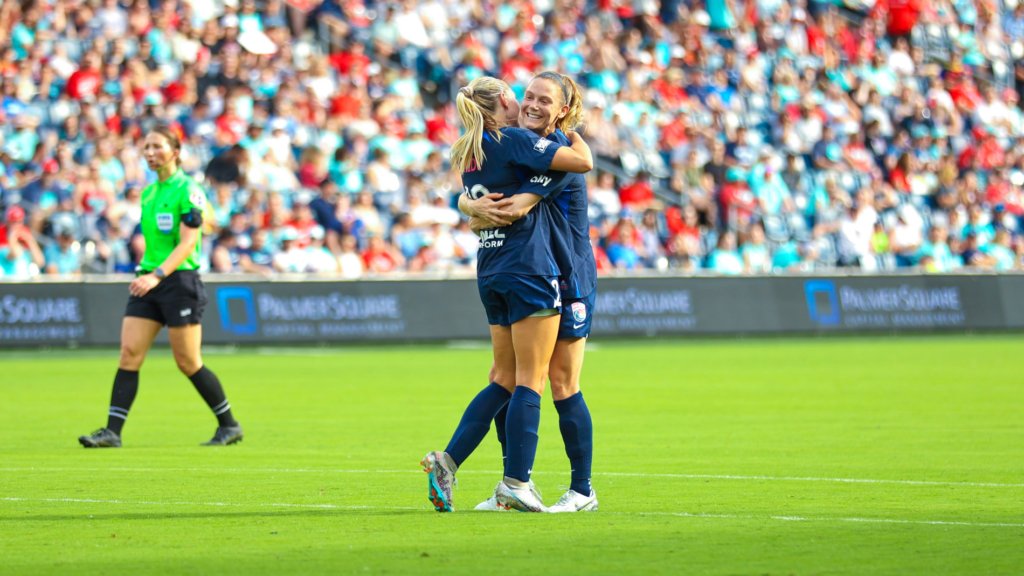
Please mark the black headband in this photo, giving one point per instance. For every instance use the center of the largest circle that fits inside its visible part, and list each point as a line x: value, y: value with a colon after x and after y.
x: 561, y: 84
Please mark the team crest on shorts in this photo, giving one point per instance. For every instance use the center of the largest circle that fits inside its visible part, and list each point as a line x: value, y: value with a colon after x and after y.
x: 579, y: 311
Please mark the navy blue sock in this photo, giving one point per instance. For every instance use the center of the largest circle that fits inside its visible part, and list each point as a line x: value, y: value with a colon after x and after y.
x: 578, y: 435
x: 476, y: 421
x: 521, y: 426
x: 499, y: 427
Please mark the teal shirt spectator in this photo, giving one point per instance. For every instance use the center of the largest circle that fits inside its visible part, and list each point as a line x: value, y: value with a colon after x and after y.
x: 257, y: 147
x: 417, y: 150
x: 721, y: 16
x: 347, y: 177
x: 770, y: 189
x: 941, y: 255
x: 725, y: 262
x: 983, y: 233
x: 249, y: 23
x: 66, y: 261
x: 112, y: 171
x: 786, y: 255
x: 883, y: 79
x: 20, y: 267
x: 21, y: 145
x: 756, y: 255
x: 1005, y: 257
x: 22, y: 37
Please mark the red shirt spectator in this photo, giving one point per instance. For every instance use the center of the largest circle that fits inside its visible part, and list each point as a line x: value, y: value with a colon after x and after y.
x: 903, y: 16
x: 638, y: 195
x: 355, y: 63
x: 86, y: 81
x: 737, y: 201
x: 231, y: 125
x: 378, y: 258
x: 673, y: 134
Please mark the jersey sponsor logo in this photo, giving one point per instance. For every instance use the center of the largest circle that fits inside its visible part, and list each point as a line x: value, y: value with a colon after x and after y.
x: 492, y: 238
x: 165, y: 222
x: 541, y: 145
x: 198, y: 199
x: 542, y: 180
x: 579, y: 311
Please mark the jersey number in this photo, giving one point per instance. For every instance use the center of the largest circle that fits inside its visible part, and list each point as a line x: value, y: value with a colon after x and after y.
x: 558, y: 294
x: 477, y: 192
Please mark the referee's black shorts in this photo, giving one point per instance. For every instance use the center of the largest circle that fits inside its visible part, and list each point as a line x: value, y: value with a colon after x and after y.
x: 178, y: 300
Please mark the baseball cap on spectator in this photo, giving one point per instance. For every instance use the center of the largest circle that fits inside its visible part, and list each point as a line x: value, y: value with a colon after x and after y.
x: 15, y: 214
x: 50, y: 166
x: 229, y: 21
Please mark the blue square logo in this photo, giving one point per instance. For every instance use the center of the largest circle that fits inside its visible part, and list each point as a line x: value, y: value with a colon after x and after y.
x: 822, y: 302
x: 240, y: 295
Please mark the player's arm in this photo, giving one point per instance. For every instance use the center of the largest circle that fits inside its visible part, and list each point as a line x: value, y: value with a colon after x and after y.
x: 492, y: 207
x: 577, y: 159
x: 540, y: 155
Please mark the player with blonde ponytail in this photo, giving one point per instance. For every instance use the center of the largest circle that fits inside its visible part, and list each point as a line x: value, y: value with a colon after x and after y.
x: 552, y: 107
x: 518, y: 279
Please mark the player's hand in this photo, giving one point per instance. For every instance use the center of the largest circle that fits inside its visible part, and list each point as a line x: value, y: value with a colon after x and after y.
x: 143, y: 284
x: 492, y: 207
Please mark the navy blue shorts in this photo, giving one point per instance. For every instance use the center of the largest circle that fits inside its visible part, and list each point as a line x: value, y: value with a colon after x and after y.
x: 577, y: 316
x: 508, y: 298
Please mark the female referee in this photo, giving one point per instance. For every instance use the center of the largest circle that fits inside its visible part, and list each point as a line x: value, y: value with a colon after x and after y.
x: 553, y: 106
x: 518, y: 281
x: 167, y: 291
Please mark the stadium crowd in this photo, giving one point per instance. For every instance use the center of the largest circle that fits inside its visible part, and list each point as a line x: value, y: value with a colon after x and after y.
x: 732, y: 136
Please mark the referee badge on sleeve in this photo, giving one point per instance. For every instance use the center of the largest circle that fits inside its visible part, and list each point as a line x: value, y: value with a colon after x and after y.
x: 198, y: 199
x: 165, y: 222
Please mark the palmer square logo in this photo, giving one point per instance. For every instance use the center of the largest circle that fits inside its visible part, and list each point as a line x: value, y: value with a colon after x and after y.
x: 299, y: 314
x: 829, y: 304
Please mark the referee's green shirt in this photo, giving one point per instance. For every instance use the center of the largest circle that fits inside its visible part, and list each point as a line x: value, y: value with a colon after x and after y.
x: 163, y: 203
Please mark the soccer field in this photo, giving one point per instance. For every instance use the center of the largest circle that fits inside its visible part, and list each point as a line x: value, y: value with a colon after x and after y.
x: 830, y: 456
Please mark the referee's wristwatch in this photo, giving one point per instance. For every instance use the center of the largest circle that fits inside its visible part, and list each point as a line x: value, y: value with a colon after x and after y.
x: 159, y: 273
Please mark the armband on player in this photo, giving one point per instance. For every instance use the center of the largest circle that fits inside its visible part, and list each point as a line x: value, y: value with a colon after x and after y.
x: 193, y: 218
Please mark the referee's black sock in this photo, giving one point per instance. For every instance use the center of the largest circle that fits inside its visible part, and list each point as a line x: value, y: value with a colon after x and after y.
x: 209, y: 388
x: 126, y: 385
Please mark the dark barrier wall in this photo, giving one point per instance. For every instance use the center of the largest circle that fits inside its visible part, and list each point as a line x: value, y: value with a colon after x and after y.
x: 272, y: 312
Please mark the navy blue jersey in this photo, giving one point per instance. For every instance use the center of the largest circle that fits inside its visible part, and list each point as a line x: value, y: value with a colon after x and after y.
x: 571, y: 232
x: 516, y: 165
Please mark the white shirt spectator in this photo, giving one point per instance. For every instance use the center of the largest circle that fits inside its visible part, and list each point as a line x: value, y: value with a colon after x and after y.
x: 901, y: 63
x: 413, y: 30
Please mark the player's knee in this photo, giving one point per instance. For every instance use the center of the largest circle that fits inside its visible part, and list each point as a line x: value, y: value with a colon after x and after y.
x: 563, y: 385
x: 188, y: 365
x: 132, y: 356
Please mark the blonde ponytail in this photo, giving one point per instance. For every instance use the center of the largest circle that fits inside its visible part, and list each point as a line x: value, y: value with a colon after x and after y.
x: 478, y: 106
x: 573, y: 119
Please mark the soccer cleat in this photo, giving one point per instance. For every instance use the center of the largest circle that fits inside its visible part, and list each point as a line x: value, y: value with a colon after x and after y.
x: 521, y: 499
x: 573, y: 501
x: 102, y: 438
x: 224, y: 436
x: 440, y: 480
x: 492, y: 505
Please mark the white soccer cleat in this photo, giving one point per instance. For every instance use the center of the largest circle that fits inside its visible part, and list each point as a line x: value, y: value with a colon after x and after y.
x: 522, y: 499
x: 440, y: 480
x: 573, y: 501
x: 492, y: 505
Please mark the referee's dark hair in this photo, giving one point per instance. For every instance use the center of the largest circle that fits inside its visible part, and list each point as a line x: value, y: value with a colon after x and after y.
x: 166, y: 132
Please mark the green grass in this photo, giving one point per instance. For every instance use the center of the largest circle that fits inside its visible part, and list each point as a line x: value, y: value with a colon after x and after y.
x: 327, y: 481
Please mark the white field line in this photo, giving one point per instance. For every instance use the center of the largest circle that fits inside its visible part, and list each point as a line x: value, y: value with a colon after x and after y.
x: 622, y: 513
x: 495, y: 473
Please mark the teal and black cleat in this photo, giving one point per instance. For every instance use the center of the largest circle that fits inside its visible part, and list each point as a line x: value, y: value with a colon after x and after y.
x: 225, y: 435
x: 102, y: 438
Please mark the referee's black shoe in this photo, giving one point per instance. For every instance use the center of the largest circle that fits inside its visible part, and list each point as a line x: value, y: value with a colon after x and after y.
x: 225, y: 435
x: 102, y: 438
